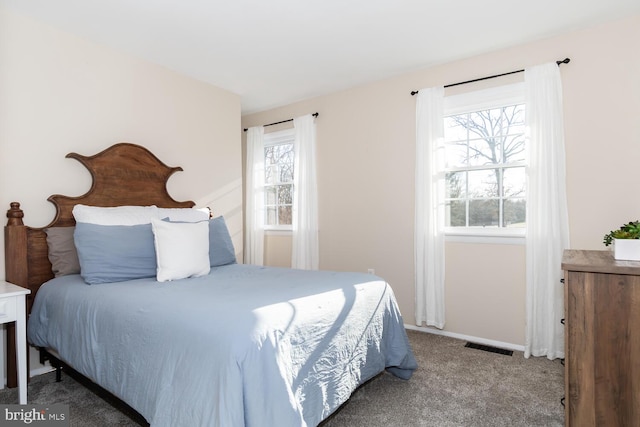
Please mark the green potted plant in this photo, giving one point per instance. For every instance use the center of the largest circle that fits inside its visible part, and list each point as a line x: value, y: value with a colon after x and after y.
x: 626, y: 241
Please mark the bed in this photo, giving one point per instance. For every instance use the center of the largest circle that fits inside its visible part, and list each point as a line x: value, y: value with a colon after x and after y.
x: 229, y: 345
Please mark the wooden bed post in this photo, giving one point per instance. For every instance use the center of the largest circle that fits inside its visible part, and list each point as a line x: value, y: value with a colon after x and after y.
x: 16, y: 272
x: 15, y: 239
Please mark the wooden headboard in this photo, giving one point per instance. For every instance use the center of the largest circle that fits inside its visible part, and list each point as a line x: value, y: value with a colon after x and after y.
x: 123, y: 174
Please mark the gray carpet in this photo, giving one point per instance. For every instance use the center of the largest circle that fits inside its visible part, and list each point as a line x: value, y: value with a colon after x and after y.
x: 453, y: 386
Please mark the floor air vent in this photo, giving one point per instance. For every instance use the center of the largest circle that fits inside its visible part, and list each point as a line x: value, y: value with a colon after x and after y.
x: 489, y: 348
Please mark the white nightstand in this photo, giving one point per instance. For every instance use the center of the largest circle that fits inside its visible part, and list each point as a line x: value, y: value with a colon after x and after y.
x: 12, y: 309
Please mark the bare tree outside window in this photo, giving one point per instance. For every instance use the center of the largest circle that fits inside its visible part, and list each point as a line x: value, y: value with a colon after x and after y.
x: 485, y: 168
x: 279, y: 163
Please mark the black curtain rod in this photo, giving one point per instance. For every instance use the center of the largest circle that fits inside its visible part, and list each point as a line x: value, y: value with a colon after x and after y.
x: 283, y: 121
x: 564, y: 61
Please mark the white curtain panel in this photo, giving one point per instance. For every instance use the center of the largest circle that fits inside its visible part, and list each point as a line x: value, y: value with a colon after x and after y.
x: 305, y: 251
x: 254, y: 221
x: 547, y: 215
x: 429, y: 208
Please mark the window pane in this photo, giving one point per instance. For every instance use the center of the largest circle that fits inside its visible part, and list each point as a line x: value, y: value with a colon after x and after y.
x: 284, y: 215
x: 515, y: 212
x: 286, y: 172
x: 270, y: 174
x: 270, y: 195
x: 484, y: 213
x: 269, y: 156
x: 514, y: 116
x: 495, y: 120
x: 285, y: 194
x: 271, y: 216
x: 514, y: 182
x: 484, y: 151
x: 456, y: 214
x: 483, y: 183
x: 483, y: 124
x: 287, y: 153
x: 513, y: 129
x: 277, y: 152
x: 514, y: 148
x: 284, y: 152
x: 454, y: 130
x: 456, y: 185
x: 456, y: 154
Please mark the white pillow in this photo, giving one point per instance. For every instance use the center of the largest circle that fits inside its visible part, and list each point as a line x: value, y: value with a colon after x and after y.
x: 120, y: 215
x: 135, y: 215
x: 183, y: 214
x: 182, y: 249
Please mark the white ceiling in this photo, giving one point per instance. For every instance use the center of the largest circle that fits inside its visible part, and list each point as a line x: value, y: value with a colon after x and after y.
x: 274, y: 52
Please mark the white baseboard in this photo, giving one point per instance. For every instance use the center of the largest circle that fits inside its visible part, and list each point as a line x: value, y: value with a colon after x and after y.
x: 41, y: 370
x: 477, y: 340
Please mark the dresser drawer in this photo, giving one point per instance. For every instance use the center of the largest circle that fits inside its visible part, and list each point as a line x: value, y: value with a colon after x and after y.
x: 7, y: 309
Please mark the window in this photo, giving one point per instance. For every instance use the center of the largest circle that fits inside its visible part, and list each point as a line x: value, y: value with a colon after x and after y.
x: 485, y: 162
x: 278, y: 178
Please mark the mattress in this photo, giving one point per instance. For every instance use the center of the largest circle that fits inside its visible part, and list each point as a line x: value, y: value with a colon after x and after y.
x: 242, y: 346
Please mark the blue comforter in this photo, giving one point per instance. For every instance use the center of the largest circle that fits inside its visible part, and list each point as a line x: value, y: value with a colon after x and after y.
x: 243, y: 346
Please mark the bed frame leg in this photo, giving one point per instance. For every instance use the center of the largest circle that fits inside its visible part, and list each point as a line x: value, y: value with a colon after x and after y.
x: 55, y: 363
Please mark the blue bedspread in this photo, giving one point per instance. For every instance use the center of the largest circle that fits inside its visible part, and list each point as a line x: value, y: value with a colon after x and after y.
x: 243, y: 346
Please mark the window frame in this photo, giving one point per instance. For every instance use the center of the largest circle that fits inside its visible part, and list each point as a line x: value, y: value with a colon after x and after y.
x: 485, y: 99
x: 280, y: 137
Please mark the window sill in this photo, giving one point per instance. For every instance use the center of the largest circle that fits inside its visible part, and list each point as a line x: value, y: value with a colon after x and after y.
x: 500, y: 237
x: 277, y: 232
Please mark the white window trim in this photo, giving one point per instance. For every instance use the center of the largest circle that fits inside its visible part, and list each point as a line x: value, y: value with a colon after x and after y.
x: 274, y: 138
x: 279, y: 137
x: 485, y: 99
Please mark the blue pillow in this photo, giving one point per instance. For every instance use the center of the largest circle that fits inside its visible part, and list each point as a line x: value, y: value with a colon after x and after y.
x: 115, y: 253
x: 221, y: 251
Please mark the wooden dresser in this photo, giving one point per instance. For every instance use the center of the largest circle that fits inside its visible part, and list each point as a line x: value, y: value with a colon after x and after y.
x: 602, y: 339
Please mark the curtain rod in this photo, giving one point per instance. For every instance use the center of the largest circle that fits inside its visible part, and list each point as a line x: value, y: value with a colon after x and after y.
x: 564, y: 61
x: 283, y: 121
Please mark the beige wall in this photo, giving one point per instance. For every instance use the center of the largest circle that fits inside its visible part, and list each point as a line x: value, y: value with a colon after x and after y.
x: 61, y: 94
x: 366, y: 138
